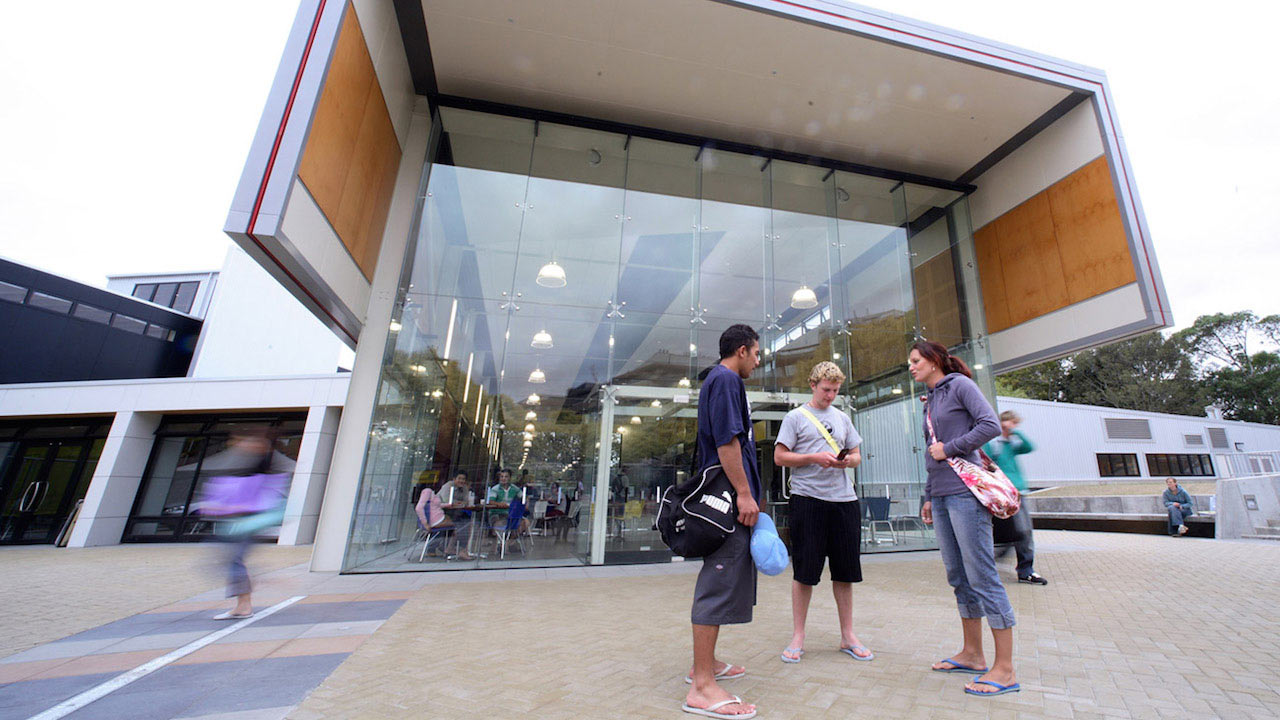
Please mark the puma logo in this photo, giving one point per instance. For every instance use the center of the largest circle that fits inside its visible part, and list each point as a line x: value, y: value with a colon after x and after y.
x: 718, y: 504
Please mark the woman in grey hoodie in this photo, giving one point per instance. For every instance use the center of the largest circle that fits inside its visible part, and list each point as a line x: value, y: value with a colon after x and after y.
x: 962, y: 422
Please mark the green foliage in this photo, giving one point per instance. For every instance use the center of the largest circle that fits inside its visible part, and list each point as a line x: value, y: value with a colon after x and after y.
x: 1225, y: 359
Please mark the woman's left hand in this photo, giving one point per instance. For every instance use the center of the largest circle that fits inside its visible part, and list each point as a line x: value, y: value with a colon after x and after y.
x: 937, y: 452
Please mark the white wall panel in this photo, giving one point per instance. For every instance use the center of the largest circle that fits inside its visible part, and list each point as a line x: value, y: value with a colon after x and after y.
x: 306, y: 227
x: 1060, y: 149
x: 1090, y: 317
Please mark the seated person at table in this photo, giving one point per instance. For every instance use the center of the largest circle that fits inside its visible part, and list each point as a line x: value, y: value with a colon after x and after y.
x: 431, y: 516
x: 500, y: 496
x: 454, y: 497
x: 1178, y: 502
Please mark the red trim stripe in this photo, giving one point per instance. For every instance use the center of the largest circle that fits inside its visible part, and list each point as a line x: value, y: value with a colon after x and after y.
x: 1124, y: 171
x: 271, y: 162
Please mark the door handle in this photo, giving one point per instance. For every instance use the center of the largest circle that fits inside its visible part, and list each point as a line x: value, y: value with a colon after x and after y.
x: 38, y: 497
x: 25, y: 503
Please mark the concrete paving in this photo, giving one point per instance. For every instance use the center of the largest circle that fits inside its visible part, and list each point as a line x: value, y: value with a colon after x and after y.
x: 1131, y: 626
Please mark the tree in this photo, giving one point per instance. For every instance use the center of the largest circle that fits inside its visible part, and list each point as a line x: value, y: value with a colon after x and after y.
x: 1244, y: 383
x: 1148, y: 372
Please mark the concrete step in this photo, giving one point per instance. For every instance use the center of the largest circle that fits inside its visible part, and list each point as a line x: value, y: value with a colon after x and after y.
x: 1267, y: 531
x: 1275, y: 538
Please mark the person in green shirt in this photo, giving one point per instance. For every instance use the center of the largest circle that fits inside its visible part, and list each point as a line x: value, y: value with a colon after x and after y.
x: 500, y: 496
x: 1005, y: 450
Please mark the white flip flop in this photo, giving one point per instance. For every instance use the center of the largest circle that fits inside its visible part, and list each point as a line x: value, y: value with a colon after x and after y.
x: 228, y: 615
x: 710, y: 710
x: 722, y: 674
x: 798, y: 651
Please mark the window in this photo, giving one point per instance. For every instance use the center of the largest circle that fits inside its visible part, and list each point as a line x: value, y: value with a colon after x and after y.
x: 185, y: 296
x: 89, y: 312
x: 50, y: 302
x: 1118, y: 465
x: 1180, y: 465
x: 159, y: 332
x: 128, y: 324
x: 144, y: 291
x: 164, y: 294
x: 12, y: 293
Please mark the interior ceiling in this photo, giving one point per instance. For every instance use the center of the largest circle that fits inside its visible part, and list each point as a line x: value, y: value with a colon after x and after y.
x: 712, y: 69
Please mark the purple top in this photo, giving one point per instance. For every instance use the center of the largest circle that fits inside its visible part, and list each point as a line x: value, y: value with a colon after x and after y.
x: 963, y: 421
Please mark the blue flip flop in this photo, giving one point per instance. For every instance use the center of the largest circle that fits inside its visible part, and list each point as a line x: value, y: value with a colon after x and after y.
x: 850, y: 652
x: 959, y: 668
x: 1000, y: 689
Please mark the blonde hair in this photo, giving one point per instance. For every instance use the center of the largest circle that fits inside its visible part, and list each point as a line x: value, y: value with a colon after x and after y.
x: 826, y: 370
x: 1011, y: 416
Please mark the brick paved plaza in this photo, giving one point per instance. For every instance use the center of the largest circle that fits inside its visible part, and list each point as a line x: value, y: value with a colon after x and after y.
x: 1130, y: 626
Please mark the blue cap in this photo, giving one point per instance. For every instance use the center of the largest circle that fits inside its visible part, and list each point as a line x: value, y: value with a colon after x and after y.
x: 767, y: 549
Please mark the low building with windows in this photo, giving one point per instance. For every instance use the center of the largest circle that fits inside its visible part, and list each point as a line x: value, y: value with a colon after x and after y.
x: 114, y: 404
x: 1087, y: 443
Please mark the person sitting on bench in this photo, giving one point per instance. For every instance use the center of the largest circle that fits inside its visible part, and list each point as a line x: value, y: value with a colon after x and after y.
x: 1178, y: 502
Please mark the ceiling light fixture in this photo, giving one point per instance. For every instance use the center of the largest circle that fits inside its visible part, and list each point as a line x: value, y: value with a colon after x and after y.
x: 528, y: 428
x: 533, y: 399
x: 395, y: 326
x: 542, y: 339
x: 684, y: 382
x: 635, y: 420
x: 537, y: 376
x: 804, y: 298
x: 656, y: 403
x: 552, y: 275
x: 531, y: 415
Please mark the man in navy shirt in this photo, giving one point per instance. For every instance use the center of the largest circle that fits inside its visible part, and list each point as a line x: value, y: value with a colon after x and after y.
x: 726, y: 589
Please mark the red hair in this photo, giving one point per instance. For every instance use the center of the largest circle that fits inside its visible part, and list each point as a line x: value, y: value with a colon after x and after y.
x: 937, y: 354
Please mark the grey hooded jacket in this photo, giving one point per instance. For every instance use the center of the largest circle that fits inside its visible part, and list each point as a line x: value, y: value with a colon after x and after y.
x: 963, y: 421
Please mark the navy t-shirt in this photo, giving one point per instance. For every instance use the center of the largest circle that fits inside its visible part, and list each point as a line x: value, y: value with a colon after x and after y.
x: 723, y: 413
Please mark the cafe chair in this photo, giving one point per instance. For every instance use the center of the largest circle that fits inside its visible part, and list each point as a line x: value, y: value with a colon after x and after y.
x: 511, y: 530
x: 905, y: 519
x: 538, y: 518
x: 428, y: 537
x: 877, y: 511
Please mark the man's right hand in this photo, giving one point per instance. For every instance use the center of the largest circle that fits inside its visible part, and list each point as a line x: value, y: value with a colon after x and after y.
x: 926, y: 513
x: 747, y: 510
x: 825, y: 459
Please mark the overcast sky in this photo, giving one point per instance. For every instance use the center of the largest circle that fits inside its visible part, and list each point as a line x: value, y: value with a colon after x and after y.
x: 124, y: 128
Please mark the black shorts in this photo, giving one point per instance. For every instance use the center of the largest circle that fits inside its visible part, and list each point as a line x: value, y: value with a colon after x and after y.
x: 725, y: 592
x: 822, y: 529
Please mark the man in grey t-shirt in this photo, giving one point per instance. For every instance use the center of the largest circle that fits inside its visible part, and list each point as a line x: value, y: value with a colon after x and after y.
x: 819, y: 443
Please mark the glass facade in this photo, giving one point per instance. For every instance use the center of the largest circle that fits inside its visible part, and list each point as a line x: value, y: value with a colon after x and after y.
x: 562, y: 291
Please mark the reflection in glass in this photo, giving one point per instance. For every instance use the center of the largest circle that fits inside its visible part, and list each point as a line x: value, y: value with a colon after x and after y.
x: 565, y: 287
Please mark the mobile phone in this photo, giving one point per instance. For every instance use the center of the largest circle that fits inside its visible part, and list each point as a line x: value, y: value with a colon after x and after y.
x: 842, y: 453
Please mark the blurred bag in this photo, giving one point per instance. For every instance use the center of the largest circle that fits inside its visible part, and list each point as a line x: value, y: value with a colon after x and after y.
x: 232, y: 495
x: 695, y: 517
x: 767, y: 549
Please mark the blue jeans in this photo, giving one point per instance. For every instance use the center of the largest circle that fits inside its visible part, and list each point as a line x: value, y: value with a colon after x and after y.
x: 237, y: 573
x: 1177, y: 516
x: 963, y: 527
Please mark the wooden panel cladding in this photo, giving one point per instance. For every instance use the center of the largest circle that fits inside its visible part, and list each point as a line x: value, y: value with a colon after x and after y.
x: 1065, y: 244
x: 936, y: 306
x: 352, y: 154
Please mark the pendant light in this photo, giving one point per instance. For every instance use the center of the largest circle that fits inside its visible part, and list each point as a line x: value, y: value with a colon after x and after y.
x: 551, y: 275
x: 537, y: 376
x: 534, y: 399
x: 531, y: 415
x: 542, y: 339
x: 684, y: 382
x: 528, y: 428
x: 635, y: 419
x: 804, y: 298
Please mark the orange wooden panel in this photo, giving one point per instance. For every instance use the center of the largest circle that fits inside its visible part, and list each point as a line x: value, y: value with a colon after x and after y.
x: 352, y: 153
x: 1033, y: 280
x: 1090, y: 232
x: 937, y: 302
x: 987, y: 249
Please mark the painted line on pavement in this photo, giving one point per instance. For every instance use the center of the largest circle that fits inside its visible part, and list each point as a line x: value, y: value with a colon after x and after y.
x: 97, y: 692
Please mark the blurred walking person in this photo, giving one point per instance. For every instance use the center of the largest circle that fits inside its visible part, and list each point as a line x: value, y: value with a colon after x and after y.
x: 246, y: 497
x: 1005, y: 450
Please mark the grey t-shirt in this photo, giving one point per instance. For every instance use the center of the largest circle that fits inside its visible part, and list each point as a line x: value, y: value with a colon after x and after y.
x: 799, y: 435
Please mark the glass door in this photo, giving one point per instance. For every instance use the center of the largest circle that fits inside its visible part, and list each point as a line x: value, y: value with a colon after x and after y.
x: 41, y: 487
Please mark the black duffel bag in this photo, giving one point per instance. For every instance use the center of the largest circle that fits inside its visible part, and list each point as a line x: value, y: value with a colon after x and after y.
x: 695, y: 517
